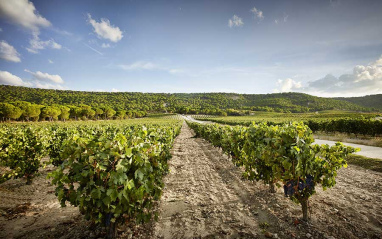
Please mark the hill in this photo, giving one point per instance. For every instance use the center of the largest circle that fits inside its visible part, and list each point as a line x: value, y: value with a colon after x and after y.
x: 192, y: 103
x: 370, y: 101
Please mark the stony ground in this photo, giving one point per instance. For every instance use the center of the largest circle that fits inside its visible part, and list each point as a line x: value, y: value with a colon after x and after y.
x: 205, y: 197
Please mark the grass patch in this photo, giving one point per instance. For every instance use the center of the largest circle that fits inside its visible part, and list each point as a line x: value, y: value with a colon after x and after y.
x: 364, y: 162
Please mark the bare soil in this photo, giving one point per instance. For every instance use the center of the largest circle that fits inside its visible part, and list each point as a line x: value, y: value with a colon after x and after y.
x: 206, y: 197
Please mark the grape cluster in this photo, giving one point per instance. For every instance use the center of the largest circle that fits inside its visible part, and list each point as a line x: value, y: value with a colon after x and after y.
x: 291, y: 186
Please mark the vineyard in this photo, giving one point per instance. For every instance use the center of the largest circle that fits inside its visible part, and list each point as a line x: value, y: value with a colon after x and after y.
x: 350, y: 123
x: 111, y: 172
x: 118, y: 176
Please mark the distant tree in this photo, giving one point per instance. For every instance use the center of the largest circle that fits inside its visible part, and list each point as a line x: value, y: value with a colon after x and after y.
x: 65, y: 113
x: 109, y: 113
x: 87, y: 112
x: 120, y: 114
x: 32, y: 111
x: 51, y: 112
x: 98, y: 112
x: 8, y: 111
x: 75, y: 112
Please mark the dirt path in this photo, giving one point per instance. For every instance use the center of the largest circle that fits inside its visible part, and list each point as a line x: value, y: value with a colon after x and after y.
x: 33, y: 211
x: 204, y: 197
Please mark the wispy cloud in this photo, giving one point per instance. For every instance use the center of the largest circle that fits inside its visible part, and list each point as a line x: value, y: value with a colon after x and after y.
x: 258, y: 14
x: 139, y: 65
x: 62, y: 32
x: 36, y: 44
x: 235, y: 21
x: 148, y: 66
x: 91, y: 48
x: 282, y: 20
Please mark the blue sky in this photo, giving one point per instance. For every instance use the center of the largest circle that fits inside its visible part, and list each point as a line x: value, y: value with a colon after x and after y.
x: 325, y: 48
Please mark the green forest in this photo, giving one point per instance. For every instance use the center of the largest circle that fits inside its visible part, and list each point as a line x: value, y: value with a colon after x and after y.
x: 23, y: 103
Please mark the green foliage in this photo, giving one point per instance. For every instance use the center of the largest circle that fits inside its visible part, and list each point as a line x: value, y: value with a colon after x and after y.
x: 351, y: 123
x: 8, y: 111
x: 22, y: 149
x: 65, y: 113
x: 369, y: 101
x: 50, y: 112
x: 194, y: 103
x: 279, y: 154
x: 112, y: 171
x: 118, y: 170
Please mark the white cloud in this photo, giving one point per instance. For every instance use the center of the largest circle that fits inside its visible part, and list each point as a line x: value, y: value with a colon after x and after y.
x: 1, y: 29
x: 286, y: 18
x: 24, y: 13
x: 36, y: 44
x: 288, y: 85
x: 140, y: 65
x: 105, y: 30
x: 257, y: 13
x: 104, y: 90
x: 363, y: 80
x: 105, y: 45
x: 8, y: 52
x: 10, y: 79
x: 235, y: 21
x: 50, y: 61
x: 44, y: 85
x: 276, y: 21
x: 99, y: 90
x: 38, y: 75
x: 148, y: 66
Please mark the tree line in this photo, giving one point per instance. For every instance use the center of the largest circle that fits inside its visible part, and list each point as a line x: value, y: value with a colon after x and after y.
x: 26, y: 111
x: 183, y: 103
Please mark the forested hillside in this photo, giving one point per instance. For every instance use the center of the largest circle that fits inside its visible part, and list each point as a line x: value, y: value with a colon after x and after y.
x: 371, y: 101
x: 193, y: 103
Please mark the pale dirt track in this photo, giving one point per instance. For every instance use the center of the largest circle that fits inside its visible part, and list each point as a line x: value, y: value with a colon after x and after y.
x: 205, y: 197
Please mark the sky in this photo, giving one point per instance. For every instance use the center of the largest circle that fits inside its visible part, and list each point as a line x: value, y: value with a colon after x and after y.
x: 326, y: 48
